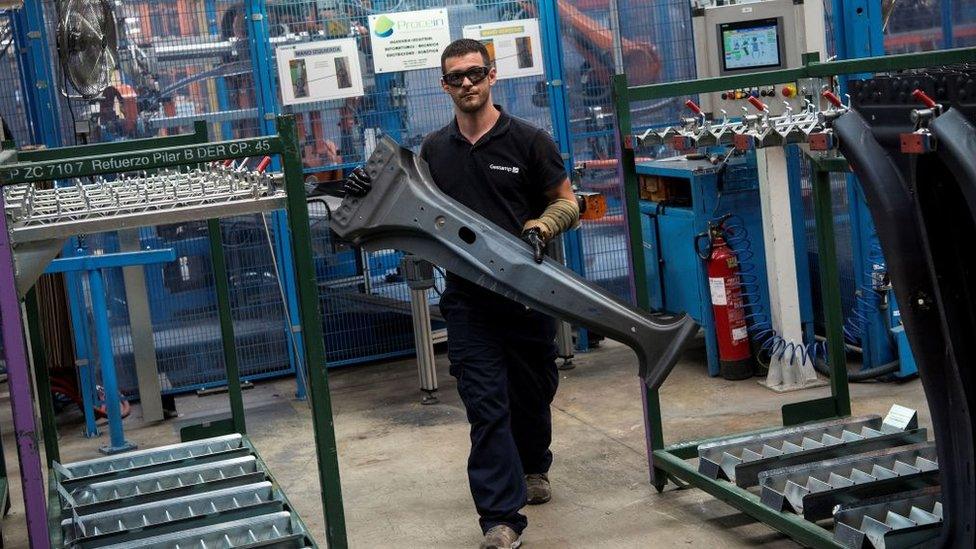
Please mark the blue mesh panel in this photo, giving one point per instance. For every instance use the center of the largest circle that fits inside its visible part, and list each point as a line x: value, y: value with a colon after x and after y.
x: 657, y: 46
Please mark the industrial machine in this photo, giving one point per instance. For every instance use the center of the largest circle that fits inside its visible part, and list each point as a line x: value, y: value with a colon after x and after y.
x: 770, y: 35
x: 908, y: 138
x: 683, y: 198
x: 750, y: 37
x: 155, y: 496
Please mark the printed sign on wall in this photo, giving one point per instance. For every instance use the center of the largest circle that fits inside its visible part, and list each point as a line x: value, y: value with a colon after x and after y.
x: 513, y: 45
x: 319, y: 71
x: 408, y: 41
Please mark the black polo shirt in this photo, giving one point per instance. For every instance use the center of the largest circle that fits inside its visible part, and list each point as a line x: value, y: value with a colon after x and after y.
x: 504, y: 176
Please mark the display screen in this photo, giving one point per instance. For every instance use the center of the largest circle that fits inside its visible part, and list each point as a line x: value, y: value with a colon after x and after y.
x: 750, y: 44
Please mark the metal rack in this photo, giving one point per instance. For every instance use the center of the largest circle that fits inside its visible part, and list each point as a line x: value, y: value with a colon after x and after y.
x: 172, y: 183
x: 720, y: 458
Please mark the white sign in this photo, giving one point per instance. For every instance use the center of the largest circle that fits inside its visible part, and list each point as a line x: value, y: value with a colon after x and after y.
x: 318, y: 71
x: 513, y: 45
x: 716, y: 285
x: 408, y: 41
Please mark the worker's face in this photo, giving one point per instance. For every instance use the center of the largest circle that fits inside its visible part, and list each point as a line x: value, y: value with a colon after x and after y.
x: 467, y: 81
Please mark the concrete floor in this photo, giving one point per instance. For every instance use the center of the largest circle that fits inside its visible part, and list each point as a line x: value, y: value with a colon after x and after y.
x: 403, y: 464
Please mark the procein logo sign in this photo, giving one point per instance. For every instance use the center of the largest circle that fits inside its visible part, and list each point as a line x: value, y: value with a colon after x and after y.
x: 383, y: 27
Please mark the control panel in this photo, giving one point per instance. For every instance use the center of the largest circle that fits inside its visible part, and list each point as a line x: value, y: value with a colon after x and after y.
x: 749, y: 37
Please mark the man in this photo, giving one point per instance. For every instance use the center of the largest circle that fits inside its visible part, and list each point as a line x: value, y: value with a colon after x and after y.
x: 502, y: 354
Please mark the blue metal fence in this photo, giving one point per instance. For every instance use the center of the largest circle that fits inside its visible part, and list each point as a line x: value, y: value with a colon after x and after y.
x: 656, y: 46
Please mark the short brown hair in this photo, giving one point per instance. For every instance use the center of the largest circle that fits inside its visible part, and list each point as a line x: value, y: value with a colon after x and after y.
x: 464, y: 46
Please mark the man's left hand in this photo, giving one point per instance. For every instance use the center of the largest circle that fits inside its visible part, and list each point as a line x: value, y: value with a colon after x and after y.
x: 535, y: 241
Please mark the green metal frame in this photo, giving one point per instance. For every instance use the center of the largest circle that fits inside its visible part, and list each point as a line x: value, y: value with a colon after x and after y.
x: 191, y: 149
x: 812, y: 68
x: 671, y: 461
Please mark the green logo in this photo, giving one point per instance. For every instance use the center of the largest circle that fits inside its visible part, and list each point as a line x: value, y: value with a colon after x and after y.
x: 383, y: 27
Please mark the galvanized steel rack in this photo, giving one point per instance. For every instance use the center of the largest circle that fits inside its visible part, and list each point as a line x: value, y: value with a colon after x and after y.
x: 794, y: 464
x: 214, y: 486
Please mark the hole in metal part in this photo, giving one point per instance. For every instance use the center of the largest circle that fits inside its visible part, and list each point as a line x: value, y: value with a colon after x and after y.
x: 439, y: 222
x: 467, y: 235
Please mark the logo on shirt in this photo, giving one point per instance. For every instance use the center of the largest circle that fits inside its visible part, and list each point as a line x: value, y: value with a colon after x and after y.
x: 509, y: 169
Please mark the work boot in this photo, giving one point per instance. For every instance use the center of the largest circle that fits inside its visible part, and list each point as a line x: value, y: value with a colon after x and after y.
x: 501, y: 537
x: 537, y: 488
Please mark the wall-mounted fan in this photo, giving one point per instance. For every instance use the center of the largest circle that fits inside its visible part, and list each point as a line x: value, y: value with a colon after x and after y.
x: 87, y: 40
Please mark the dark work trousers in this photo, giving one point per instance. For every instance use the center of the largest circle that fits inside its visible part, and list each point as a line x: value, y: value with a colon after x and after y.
x: 504, y: 358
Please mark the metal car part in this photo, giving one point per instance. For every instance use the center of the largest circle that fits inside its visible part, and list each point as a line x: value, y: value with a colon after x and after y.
x: 278, y: 530
x: 160, y: 485
x: 742, y: 458
x: 814, y: 489
x: 917, y: 281
x: 907, y: 519
x: 175, y: 514
x: 406, y: 211
x: 142, y: 460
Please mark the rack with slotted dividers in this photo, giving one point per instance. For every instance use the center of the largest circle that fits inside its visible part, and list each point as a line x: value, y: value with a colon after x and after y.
x: 177, y: 179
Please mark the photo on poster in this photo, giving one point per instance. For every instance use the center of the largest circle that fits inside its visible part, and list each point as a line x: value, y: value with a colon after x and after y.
x: 490, y: 46
x: 343, y: 80
x: 299, y: 78
x: 523, y: 52
x: 515, y: 46
x: 319, y: 71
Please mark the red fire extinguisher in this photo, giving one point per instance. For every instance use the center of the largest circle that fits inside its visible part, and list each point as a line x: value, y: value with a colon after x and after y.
x: 728, y: 308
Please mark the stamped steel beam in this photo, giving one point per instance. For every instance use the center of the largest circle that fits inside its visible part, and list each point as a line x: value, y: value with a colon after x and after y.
x: 406, y: 211
x: 921, y: 227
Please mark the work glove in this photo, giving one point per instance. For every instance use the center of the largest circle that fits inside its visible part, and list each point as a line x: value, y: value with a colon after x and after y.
x: 358, y: 183
x: 533, y: 237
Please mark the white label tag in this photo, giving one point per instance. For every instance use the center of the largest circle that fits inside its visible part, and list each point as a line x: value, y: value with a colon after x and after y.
x: 900, y: 418
x: 717, y: 288
x: 738, y: 334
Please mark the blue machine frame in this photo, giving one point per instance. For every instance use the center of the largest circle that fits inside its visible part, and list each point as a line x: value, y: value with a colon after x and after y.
x: 669, y: 232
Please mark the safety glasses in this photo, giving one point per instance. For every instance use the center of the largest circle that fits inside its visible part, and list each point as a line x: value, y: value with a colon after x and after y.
x: 474, y: 74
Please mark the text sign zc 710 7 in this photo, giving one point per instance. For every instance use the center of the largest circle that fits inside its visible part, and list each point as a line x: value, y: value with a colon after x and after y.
x: 43, y: 171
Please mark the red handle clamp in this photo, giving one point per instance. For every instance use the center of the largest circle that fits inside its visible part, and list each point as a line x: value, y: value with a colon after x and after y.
x: 924, y: 99
x: 832, y: 98
x: 693, y: 106
x: 263, y: 165
x: 757, y: 103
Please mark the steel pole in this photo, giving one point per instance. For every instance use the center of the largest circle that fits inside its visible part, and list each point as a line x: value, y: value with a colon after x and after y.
x: 423, y: 341
x: 228, y: 342
x: 42, y: 378
x: 830, y: 290
x: 106, y: 359
x: 650, y: 399
x: 319, y: 397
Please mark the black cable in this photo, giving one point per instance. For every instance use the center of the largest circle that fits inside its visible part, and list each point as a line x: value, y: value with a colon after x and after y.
x: 862, y: 375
